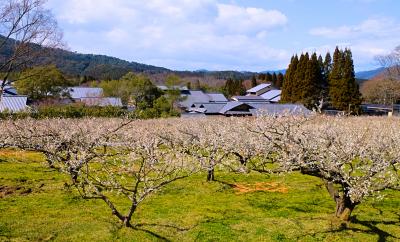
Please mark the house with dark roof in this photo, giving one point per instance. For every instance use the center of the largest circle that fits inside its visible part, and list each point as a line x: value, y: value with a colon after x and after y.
x: 241, y: 109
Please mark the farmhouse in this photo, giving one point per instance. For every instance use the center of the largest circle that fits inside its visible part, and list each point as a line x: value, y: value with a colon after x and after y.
x: 260, y: 100
x: 92, y: 96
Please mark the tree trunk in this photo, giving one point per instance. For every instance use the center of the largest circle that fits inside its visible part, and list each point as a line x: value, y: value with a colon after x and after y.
x: 127, y: 218
x: 210, y: 175
x: 344, y: 205
x: 344, y: 208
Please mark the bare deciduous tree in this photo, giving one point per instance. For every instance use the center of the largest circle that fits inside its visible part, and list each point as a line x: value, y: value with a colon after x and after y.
x: 25, y: 27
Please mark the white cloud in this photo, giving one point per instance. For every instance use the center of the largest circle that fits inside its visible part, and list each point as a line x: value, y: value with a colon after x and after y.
x: 372, y: 27
x: 372, y: 37
x: 239, y: 19
x: 189, y: 34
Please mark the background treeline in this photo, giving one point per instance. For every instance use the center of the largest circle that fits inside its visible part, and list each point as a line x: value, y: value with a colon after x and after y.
x: 88, y: 67
x: 274, y: 78
x: 316, y: 82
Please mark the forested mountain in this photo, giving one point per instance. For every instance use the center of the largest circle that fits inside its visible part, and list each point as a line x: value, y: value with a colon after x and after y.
x: 103, y: 67
x: 369, y: 74
x: 75, y: 64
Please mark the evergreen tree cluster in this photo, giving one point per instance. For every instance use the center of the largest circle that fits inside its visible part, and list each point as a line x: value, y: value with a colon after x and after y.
x: 312, y: 80
x: 275, y: 79
x: 234, y: 87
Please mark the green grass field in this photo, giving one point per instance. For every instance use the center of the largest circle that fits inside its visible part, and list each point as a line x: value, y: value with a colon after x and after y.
x: 35, y: 205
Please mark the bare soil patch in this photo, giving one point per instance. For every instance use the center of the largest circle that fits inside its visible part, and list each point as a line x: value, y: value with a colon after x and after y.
x: 260, y: 186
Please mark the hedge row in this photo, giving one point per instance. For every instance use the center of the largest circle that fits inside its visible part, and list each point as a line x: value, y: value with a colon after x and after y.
x: 70, y: 111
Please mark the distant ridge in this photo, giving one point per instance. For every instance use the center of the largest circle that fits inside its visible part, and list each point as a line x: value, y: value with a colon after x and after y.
x: 369, y: 74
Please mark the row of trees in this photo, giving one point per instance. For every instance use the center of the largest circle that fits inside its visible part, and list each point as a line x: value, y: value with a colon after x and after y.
x: 276, y: 79
x: 114, y: 159
x: 313, y: 81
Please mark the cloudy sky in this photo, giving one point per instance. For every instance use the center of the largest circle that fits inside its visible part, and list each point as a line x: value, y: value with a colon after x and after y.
x: 252, y: 35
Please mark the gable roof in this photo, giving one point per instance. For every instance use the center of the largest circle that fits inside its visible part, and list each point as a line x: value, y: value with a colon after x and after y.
x: 271, y: 94
x: 259, y: 87
x: 13, y: 103
x: 207, y: 108
x: 84, y: 92
x: 232, y: 105
x: 201, y: 97
x: 9, y: 89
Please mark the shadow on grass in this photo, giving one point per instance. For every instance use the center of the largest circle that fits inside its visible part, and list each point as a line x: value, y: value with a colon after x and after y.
x: 371, y: 228
x: 140, y: 227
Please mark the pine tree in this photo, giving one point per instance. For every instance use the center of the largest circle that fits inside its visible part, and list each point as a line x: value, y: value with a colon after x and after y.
x: 288, y: 83
x: 254, y: 81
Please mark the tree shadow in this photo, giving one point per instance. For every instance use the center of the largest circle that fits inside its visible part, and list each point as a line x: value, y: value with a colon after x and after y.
x: 372, y: 228
x: 373, y: 225
x: 140, y: 227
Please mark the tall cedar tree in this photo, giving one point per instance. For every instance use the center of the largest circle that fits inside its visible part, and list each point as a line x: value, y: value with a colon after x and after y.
x: 268, y: 78
x: 289, y: 80
x: 254, y: 81
x: 312, y: 83
x: 274, y: 79
x: 343, y: 92
x: 279, y: 81
x: 234, y: 87
x: 327, y: 68
x: 300, y: 82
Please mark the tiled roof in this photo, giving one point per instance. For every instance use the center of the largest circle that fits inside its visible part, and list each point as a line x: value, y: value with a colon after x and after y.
x: 13, y: 103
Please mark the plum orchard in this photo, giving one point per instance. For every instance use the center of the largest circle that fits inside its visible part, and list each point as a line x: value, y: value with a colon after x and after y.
x: 114, y: 159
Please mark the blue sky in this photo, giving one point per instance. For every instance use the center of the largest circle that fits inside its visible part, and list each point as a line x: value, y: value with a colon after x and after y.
x: 252, y: 35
